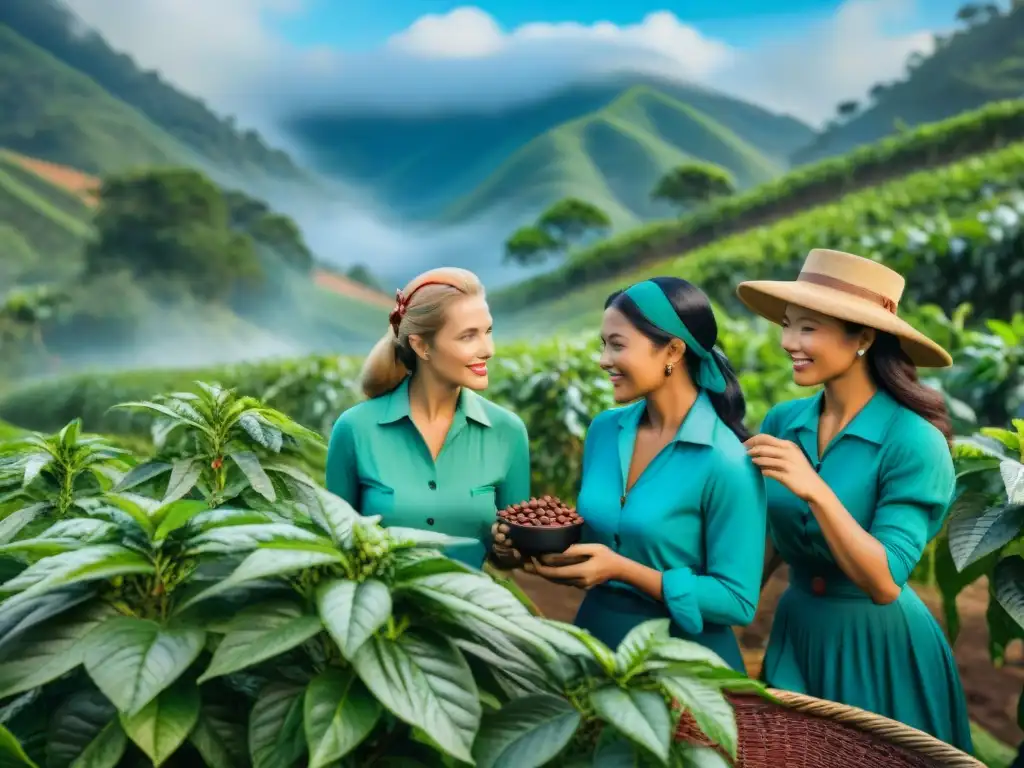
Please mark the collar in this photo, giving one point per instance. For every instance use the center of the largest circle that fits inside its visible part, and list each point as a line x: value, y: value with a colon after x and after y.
x: 698, y: 427
x: 871, y: 423
x: 470, y: 405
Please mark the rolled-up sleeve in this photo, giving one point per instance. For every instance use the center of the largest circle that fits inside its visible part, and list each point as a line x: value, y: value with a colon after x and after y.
x: 342, y: 468
x: 916, y: 484
x: 734, y: 536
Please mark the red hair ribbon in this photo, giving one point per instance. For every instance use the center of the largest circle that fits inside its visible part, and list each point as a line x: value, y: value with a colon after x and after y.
x: 402, y: 301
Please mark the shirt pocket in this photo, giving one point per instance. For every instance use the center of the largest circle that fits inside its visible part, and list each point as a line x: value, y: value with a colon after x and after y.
x: 377, y: 499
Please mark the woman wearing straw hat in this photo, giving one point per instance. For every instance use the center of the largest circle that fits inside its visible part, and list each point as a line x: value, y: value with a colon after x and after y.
x: 859, y: 478
x: 426, y: 450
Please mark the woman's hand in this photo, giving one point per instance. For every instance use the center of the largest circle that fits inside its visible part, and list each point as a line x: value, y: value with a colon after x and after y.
x: 783, y: 460
x: 505, y: 554
x: 602, y: 564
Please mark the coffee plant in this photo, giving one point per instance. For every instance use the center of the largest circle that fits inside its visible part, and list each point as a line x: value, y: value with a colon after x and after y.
x: 197, y: 608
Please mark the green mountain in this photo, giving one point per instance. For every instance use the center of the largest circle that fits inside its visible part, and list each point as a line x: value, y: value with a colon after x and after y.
x: 981, y: 63
x: 613, y: 157
x: 427, y: 166
x: 150, y: 122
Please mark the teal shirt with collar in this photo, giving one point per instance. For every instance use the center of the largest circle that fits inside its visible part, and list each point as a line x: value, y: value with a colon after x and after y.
x: 893, y: 473
x: 696, y: 513
x: 891, y: 469
x: 379, y: 463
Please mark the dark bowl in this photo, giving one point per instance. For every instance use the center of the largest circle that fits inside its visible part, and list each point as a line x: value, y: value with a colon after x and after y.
x: 536, y: 540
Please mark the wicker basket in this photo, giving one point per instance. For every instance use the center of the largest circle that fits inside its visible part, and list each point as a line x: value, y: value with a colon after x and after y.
x: 814, y: 733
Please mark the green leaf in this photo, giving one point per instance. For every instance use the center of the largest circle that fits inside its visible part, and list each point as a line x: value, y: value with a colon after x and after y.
x: 675, y: 650
x: 339, y: 713
x: 414, y: 537
x: 14, y: 522
x: 132, y: 660
x: 219, y: 738
x: 1012, y: 473
x: 84, y: 731
x: 1009, y: 587
x: 615, y: 751
x: 165, y: 722
x: 16, y: 618
x: 249, y: 463
x: 640, y: 715
x: 140, y: 474
x: 709, y: 707
x: 100, y: 561
x: 423, y: 679
x: 184, y: 476
x: 11, y: 750
x: 48, y: 650
x: 34, y: 464
x: 276, y: 737
x: 976, y: 530
x: 638, y: 643
x: 353, y: 611
x: 176, y: 515
x: 264, y: 434
x: 265, y: 563
x: 239, y: 538
x: 261, y: 632
x: 528, y: 731
x: 701, y: 757
x: 600, y: 652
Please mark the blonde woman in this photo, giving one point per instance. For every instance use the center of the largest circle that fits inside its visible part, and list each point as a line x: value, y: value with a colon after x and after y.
x: 426, y: 450
x: 859, y: 478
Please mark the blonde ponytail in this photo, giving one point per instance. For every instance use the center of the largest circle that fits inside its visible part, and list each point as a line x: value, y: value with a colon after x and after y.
x: 428, y: 296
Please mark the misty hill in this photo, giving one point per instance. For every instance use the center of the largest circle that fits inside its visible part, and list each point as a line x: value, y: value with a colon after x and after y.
x: 446, y: 164
x: 69, y: 97
x: 613, y: 158
x: 980, y: 63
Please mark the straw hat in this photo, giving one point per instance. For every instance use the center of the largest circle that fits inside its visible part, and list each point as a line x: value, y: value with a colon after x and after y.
x: 845, y: 287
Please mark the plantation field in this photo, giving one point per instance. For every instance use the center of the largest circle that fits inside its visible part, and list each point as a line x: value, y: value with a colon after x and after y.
x: 924, y: 148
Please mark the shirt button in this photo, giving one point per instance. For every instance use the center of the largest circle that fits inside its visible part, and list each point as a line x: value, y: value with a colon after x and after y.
x: 430, y: 521
x: 818, y: 585
x: 432, y: 485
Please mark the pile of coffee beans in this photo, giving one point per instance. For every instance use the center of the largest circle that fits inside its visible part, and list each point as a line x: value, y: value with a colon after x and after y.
x: 545, y: 512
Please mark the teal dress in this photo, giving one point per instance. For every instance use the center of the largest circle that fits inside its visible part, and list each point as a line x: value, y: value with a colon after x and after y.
x: 378, y: 462
x: 696, y: 513
x: 893, y: 472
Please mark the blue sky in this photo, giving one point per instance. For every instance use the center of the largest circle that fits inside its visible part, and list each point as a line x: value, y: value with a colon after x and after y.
x: 359, y: 25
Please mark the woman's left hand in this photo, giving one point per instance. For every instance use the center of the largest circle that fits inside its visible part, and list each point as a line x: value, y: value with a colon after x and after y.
x: 602, y: 564
x: 783, y: 460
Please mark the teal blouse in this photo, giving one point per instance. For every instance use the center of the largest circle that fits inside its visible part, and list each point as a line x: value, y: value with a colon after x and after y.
x: 378, y: 461
x: 696, y: 513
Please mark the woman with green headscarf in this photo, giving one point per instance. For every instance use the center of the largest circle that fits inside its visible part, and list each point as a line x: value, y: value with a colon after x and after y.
x: 674, y: 507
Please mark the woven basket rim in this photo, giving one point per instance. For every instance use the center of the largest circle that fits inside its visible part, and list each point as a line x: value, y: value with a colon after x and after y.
x: 892, y: 731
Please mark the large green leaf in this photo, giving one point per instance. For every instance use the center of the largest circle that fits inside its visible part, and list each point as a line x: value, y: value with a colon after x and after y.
x: 693, y: 756
x: 177, y: 514
x: 261, y: 632
x: 165, y: 722
x: 709, y: 707
x: 417, y: 537
x: 100, y: 561
x: 952, y: 581
x: 62, y: 536
x: 219, y: 736
x: 249, y: 463
x: 1012, y: 473
x: 640, y: 715
x: 11, y: 751
x: 976, y: 529
x: 353, y: 611
x: 84, y: 731
x: 240, y: 538
x: 132, y: 660
x: 19, y: 617
x: 140, y: 474
x: 276, y: 737
x: 49, y: 650
x: 526, y: 732
x: 184, y: 476
x: 14, y: 522
x: 106, y: 750
x: 339, y: 713
x: 476, y: 596
x: 267, y: 562
x: 638, y: 643
x: 1008, y: 587
x: 424, y: 680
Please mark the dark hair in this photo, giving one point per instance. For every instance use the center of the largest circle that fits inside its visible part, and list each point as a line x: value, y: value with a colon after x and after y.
x: 694, y: 309
x: 892, y: 371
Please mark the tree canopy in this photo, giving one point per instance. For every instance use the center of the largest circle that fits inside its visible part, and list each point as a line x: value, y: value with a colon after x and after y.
x: 564, y: 224
x: 694, y: 183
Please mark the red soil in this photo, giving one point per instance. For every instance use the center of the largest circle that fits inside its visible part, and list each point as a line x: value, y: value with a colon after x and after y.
x: 81, y: 184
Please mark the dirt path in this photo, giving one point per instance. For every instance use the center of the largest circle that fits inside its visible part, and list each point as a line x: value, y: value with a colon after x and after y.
x: 991, y: 693
x: 76, y: 182
x: 348, y: 287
